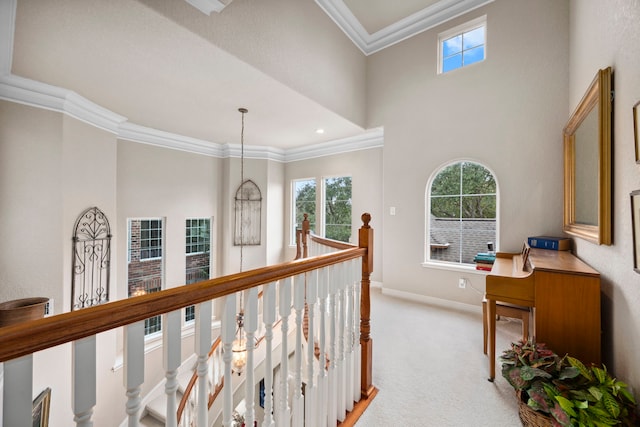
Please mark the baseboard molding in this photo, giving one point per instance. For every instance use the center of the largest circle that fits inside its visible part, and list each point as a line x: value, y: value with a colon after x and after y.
x: 476, y: 309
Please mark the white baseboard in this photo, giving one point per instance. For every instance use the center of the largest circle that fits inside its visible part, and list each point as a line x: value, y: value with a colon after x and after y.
x: 432, y: 300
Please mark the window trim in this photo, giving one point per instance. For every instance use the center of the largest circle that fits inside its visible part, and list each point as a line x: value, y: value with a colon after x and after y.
x: 476, y: 23
x: 448, y: 265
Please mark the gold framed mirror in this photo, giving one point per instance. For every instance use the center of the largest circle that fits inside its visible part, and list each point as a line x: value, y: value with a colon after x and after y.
x: 587, y: 164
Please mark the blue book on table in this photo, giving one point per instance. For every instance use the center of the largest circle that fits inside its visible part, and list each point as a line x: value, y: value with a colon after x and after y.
x: 549, y: 242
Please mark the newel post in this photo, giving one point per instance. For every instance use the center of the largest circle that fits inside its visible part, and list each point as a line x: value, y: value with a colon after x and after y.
x: 365, y: 240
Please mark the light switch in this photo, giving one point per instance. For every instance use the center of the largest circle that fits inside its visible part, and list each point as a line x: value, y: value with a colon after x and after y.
x: 392, y: 210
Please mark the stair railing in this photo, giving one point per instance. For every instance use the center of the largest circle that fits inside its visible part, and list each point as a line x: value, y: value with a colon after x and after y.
x: 295, y: 283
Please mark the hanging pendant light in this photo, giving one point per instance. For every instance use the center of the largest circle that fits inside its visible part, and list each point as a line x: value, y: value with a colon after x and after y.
x: 239, y: 345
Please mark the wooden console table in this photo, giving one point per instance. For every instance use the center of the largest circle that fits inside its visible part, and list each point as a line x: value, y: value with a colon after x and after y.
x: 564, y: 294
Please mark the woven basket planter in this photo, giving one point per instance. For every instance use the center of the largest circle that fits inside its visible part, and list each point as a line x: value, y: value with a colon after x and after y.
x: 531, y: 417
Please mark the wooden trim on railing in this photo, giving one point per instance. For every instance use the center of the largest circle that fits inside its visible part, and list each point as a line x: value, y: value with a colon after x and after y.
x: 26, y: 338
x: 335, y: 244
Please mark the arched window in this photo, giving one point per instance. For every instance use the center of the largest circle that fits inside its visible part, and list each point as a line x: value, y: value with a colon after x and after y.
x: 461, y: 213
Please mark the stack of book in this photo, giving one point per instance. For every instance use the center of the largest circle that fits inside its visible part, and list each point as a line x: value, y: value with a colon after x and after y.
x: 484, y: 260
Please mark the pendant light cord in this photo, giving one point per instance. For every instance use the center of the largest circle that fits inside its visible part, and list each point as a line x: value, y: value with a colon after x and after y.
x: 243, y: 111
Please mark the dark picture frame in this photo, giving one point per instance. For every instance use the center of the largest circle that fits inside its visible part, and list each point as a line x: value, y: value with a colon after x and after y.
x: 636, y: 130
x: 635, y: 226
x: 40, y: 411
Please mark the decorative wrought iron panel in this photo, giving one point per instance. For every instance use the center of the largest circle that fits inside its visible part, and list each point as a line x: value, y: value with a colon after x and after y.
x: 248, y: 209
x: 91, y: 259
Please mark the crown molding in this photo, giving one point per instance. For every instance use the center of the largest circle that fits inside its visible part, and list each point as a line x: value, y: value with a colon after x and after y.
x: 423, y: 20
x: 255, y: 152
x: 42, y: 95
x: 373, y: 138
x: 49, y: 97
x: 160, y: 138
x: 208, y: 6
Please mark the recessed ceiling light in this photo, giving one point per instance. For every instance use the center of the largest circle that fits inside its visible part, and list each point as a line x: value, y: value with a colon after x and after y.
x: 319, y: 131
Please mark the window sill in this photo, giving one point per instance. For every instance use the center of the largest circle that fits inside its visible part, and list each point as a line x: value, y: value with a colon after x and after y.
x: 467, y: 268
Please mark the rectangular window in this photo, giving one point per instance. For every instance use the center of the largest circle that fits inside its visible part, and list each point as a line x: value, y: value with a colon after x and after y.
x: 462, y: 45
x: 145, y: 263
x: 304, y: 202
x: 150, y: 239
x: 198, y: 257
x: 337, y: 208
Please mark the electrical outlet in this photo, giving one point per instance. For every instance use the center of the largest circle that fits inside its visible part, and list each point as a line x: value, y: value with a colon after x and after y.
x: 462, y: 283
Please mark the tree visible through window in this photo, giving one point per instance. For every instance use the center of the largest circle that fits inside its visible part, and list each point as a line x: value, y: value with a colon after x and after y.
x: 304, y: 202
x: 334, y: 214
x: 462, y: 212
x: 337, y: 205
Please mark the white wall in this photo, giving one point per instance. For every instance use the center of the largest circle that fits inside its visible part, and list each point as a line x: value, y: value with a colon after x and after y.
x: 293, y: 41
x: 506, y: 113
x: 606, y: 34
x: 31, y: 179
x: 274, y: 239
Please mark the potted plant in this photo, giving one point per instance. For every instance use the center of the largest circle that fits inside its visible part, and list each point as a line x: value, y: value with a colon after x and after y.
x: 562, y: 391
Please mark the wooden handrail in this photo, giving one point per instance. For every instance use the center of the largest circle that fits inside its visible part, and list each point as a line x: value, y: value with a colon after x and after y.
x: 26, y: 338
x: 335, y: 244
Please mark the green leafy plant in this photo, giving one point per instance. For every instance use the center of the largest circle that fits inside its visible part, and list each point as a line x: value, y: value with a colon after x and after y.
x: 569, y: 392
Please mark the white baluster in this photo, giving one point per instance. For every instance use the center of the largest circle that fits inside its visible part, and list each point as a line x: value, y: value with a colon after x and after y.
x: 269, y: 298
x: 349, y: 305
x: 310, y: 389
x: 228, y: 333
x: 298, y: 306
x: 332, y: 407
x: 202, y: 346
x: 357, y: 352
x: 323, y: 292
x: 18, y: 391
x: 284, y: 294
x: 340, y: 368
x: 250, y: 327
x: 133, y: 370
x: 171, y: 337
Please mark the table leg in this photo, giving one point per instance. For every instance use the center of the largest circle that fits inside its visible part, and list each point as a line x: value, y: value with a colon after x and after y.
x: 491, y: 321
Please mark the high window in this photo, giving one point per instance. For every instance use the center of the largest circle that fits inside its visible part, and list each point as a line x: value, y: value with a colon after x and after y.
x: 198, y: 256
x: 333, y: 215
x: 337, y: 208
x: 145, y: 262
x: 461, y: 213
x: 462, y: 45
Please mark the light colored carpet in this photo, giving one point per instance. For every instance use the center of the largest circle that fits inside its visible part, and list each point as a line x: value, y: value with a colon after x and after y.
x: 430, y: 370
